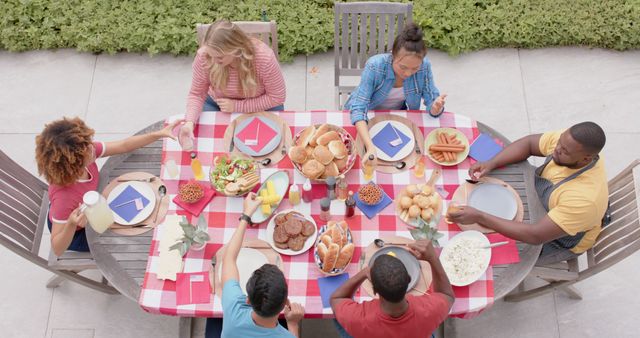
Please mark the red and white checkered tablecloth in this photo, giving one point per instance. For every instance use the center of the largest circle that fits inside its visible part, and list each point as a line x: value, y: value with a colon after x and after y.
x: 159, y: 296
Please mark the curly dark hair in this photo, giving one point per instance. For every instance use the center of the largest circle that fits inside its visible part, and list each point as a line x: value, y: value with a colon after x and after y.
x: 389, y: 278
x: 61, y: 150
x: 267, y: 291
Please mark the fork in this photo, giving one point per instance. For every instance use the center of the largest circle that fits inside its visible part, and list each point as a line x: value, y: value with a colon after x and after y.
x: 284, y: 144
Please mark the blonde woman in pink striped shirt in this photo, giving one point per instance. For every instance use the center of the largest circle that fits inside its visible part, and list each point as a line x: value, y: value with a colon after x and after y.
x: 232, y: 72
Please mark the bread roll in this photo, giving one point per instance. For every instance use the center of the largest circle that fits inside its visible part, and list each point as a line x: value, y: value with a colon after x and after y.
x: 427, y: 214
x: 309, y: 150
x: 412, y: 190
x: 322, y: 251
x: 326, y: 239
x: 414, y: 211
x: 341, y: 163
x: 346, y: 253
x: 336, y: 234
x: 331, y: 169
x: 312, y: 169
x: 406, y: 202
x: 338, y: 149
x: 323, y: 129
x: 323, y: 140
x: 306, y: 135
x: 322, y: 155
x: 331, y: 257
x: 427, y: 190
x: 298, y: 154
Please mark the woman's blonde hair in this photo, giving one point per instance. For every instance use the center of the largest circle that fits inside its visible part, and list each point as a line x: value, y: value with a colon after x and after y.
x: 228, y: 39
x: 61, y: 150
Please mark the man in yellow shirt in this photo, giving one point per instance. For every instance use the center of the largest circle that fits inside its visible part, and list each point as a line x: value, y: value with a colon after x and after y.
x: 571, y: 185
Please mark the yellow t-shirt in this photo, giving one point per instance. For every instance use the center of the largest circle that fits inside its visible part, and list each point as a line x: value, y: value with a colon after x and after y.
x: 577, y: 205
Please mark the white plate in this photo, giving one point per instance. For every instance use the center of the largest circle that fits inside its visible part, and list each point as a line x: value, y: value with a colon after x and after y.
x: 281, y: 181
x: 307, y: 244
x: 269, y: 147
x: 145, y: 190
x: 482, y: 257
x: 494, y: 199
x: 248, y: 261
x: 407, y: 148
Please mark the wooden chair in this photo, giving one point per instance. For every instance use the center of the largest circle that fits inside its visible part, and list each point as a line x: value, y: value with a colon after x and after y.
x: 617, y: 241
x: 363, y: 29
x: 265, y: 31
x: 24, y: 202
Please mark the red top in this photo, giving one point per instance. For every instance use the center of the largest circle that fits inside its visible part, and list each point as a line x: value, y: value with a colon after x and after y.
x: 64, y: 199
x: 424, y: 315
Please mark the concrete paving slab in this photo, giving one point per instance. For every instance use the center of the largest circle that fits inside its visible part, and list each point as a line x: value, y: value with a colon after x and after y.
x: 486, y: 85
x: 132, y: 91
x: 39, y: 86
x: 295, y: 74
x: 568, y: 85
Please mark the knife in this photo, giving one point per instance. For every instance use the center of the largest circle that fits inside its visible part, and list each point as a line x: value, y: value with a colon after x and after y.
x: 362, y: 256
x: 233, y: 136
x: 213, y: 266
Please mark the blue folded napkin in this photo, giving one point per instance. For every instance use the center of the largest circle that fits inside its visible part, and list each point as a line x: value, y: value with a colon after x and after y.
x: 371, y: 210
x: 127, y: 211
x: 328, y: 285
x: 484, y: 148
x: 387, y: 134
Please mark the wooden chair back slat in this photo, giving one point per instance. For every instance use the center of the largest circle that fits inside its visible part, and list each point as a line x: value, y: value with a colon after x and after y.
x: 358, y: 25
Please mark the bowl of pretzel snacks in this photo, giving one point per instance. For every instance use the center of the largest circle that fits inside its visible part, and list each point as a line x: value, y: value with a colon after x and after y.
x: 322, y: 150
x: 447, y: 146
x: 334, y: 248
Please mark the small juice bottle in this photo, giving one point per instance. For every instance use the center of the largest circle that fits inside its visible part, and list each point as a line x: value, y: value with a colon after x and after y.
x: 418, y: 170
x: 294, y: 195
x: 368, y: 168
x: 196, y: 166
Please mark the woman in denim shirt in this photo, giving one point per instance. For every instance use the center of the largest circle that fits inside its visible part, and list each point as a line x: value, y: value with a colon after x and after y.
x: 395, y: 81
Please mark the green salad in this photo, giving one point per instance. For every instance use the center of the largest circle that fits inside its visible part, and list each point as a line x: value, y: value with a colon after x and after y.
x: 228, y: 170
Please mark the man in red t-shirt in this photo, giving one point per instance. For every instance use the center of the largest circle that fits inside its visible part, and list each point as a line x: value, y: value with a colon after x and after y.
x: 394, y: 312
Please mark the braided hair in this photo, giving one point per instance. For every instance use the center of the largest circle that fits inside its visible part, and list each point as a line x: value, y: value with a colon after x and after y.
x: 267, y: 291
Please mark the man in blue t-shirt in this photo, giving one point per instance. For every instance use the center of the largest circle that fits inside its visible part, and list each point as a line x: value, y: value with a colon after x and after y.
x: 255, y: 314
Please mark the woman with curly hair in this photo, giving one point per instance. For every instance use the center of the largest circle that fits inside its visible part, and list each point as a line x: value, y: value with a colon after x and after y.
x: 66, y: 154
x: 232, y: 72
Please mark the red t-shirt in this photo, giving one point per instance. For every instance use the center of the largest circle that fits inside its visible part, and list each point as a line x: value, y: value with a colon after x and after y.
x: 424, y: 315
x: 64, y: 199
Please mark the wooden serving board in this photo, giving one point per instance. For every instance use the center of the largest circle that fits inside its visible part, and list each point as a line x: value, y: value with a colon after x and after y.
x: 273, y: 257
x: 410, y: 160
x: 461, y: 195
x: 276, y: 155
x: 162, y: 211
x: 426, y: 277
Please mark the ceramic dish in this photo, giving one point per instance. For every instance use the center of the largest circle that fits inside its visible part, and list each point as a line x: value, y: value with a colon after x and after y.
x: 280, y: 180
x: 145, y: 190
x: 221, y: 174
x: 309, y: 242
x: 494, y: 199
x: 269, y: 147
x: 400, y: 127
x: 316, y: 256
x: 432, y: 139
x: 248, y: 261
x: 434, y: 204
x: 464, y: 259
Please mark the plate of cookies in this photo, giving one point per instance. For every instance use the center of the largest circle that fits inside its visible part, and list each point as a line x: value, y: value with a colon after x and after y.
x: 418, y: 203
x: 334, y: 248
x: 291, y: 233
x: 321, y: 151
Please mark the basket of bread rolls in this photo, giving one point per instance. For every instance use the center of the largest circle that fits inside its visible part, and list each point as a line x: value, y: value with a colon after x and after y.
x: 323, y: 150
x: 334, y: 248
x: 419, y: 203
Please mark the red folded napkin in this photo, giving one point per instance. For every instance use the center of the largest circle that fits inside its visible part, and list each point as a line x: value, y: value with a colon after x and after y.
x: 196, y: 208
x: 506, y: 254
x: 193, y: 288
x: 250, y: 132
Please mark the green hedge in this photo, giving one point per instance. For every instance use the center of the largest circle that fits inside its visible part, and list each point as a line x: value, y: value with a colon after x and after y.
x: 306, y: 26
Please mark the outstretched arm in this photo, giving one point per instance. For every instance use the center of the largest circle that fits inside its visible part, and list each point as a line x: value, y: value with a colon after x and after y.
x: 138, y: 141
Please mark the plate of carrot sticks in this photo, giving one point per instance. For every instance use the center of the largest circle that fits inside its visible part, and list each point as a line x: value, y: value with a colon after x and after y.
x: 447, y: 146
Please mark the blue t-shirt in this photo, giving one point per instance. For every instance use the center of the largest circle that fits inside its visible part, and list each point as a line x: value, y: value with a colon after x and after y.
x: 237, y: 321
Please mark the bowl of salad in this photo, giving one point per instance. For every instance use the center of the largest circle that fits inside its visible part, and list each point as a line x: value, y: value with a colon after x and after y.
x: 234, y: 175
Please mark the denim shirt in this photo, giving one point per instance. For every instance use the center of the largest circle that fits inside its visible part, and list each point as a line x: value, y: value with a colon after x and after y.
x: 377, y: 80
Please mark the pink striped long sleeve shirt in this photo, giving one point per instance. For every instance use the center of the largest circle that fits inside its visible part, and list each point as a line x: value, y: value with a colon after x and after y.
x: 271, y: 90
